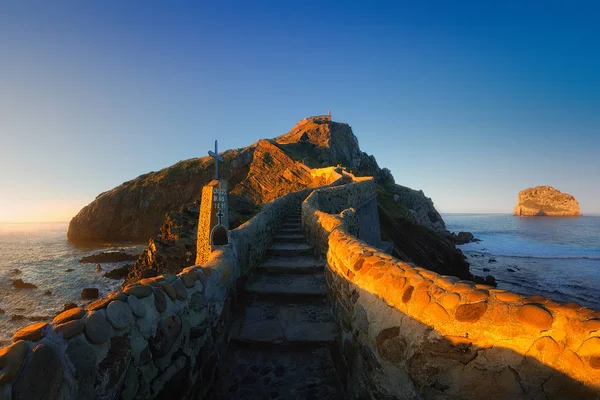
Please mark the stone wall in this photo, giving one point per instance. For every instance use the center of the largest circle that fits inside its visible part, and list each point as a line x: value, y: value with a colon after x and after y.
x: 407, y: 332
x: 158, y: 338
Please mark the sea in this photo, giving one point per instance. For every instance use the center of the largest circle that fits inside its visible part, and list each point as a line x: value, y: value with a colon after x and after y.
x: 39, y: 253
x: 556, y: 257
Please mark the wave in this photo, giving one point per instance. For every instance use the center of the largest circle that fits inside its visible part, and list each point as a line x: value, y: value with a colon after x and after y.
x: 500, y: 245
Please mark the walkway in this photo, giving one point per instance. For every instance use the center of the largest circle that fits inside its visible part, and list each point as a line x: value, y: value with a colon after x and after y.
x: 281, y: 341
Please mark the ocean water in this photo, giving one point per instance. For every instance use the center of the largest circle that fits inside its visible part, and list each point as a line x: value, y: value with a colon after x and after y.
x: 554, y: 257
x: 42, y: 254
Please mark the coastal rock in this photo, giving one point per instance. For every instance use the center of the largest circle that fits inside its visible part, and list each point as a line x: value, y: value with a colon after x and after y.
x: 546, y: 201
x: 19, y: 284
x: 109, y: 257
x: 118, y: 273
x: 462, y: 237
x: 90, y: 293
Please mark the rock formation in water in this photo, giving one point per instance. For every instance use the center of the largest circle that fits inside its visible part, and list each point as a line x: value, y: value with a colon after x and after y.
x: 257, y: 174
x: 546, y: 201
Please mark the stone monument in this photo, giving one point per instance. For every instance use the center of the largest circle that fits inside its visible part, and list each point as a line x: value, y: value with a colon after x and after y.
x: 213, y: 224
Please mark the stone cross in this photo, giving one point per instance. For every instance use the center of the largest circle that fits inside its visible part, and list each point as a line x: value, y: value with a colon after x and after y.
x: 217, y: 159
x: 219, y: 216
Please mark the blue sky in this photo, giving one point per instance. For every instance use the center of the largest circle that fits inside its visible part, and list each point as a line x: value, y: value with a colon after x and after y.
x: 470, y: 102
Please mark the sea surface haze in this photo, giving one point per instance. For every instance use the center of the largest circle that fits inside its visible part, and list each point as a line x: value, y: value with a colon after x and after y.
x: 557, y: 257
x: 39, y: 253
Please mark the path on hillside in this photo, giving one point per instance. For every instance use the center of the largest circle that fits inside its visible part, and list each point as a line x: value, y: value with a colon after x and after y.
x: 282, y: 339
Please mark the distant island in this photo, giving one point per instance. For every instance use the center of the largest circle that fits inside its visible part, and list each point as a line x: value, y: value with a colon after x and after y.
x: 546, y: 201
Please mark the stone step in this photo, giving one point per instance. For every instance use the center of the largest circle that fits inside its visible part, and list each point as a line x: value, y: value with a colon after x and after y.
x: 287, y: 323
x: 292, y: 225
x: 290, y: 238
x: 290, y: 249
x: 258, y: 372
x: 291, y: 286
x: 292, y: 265
x: 297, y: 229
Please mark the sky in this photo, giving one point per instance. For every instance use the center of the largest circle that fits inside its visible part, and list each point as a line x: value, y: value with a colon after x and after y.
x: 469, y: 101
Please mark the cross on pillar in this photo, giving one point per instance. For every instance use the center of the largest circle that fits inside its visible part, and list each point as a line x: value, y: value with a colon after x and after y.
x: 219, y: 216
x: 217, y: 158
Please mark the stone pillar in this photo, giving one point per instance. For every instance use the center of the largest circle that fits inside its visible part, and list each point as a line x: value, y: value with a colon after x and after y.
x: 213, y: 222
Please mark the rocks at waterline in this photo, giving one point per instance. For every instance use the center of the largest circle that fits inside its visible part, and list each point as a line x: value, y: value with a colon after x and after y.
x: 19, y: 284
x: 119, y: 272
x: 98, y: 267
x: 68, y: 306
x: 109, y: 257
x: 89, y: 293
x: 462, y: 238
x: 546, y: 201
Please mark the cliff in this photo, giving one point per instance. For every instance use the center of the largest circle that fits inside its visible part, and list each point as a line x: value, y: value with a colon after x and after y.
x: 546, y: 201
x: 257, y: 174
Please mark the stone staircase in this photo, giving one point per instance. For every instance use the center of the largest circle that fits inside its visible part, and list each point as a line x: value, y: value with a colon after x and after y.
x: 281, y: 341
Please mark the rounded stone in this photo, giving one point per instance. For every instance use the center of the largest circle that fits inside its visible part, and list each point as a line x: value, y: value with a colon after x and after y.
x: 187, y: 280
x: 82, y: 356
x: 420, y: 298
x: 70, y: 328
x: 137, y: 307
x: 436, y: 312
x: 446, y: 281
x: 96, y: 328
x: 399, y: 282
x: 535, y: 315
x: 545, y: 349
x: 592, y: 325
x: 407, y: 294
x: 32, y: 333
x: 11, y: 358
x: 471, y: 312
x: 69, y: 315
x: 180, y: 290
x: 42, y: 376
x: 436, y: 291
x: 139, y: 291
x: 508, y: 297
x: 99, y: 304
x: 150, y: 282
x: 475, y: 296
x: 119, y: 314
x: 461, y: 287
x: 169, y: 277
x: 169, y: 291
x: 590, y: 352
x: 160, y: 300
x: 450, y: 300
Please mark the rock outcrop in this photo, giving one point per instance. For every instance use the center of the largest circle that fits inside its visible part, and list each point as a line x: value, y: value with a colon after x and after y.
x: 546, y: 201
x: 258, y: 174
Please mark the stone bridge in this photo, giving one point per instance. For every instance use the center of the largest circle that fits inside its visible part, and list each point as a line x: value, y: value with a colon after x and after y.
x: 302, y: 303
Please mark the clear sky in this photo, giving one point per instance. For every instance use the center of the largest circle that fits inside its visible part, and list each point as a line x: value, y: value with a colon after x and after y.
x: 470, y: 102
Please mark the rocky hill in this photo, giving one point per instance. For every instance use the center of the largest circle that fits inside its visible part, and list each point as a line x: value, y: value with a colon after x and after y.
x: 546, y: 201
x: 163, y: 201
